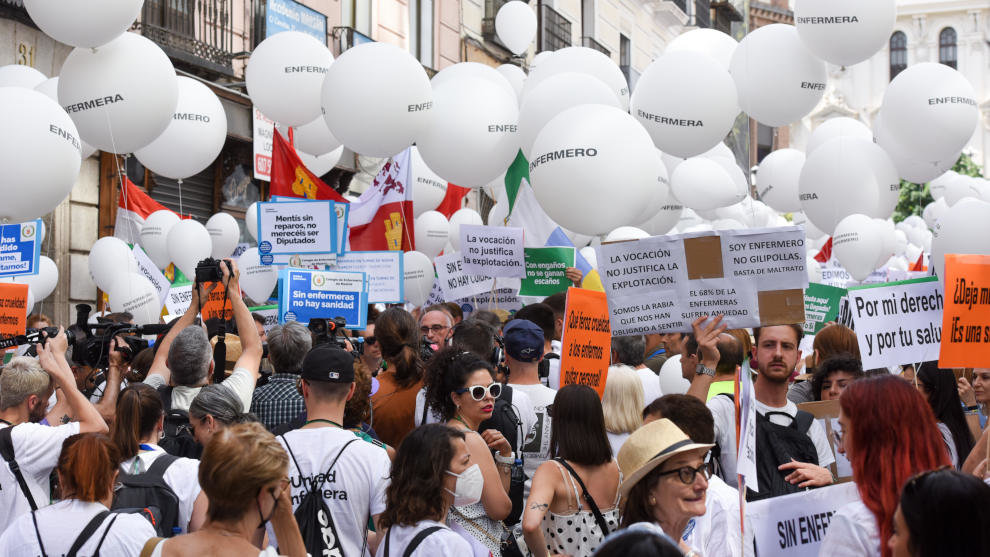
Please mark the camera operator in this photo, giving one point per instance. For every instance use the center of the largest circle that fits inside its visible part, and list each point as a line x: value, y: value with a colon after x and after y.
x: 184, y: 361
x: 26, y: 384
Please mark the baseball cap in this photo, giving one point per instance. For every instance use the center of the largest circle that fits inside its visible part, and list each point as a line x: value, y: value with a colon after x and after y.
x: 523, y: 340
x: 328, y: 363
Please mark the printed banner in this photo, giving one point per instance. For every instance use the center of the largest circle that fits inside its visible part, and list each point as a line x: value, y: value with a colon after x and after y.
x: 501, y: 299
x: 546, y: 271
x: 494, y: 251
x: 264, y: 134
x: 384, y: 272
x: 455, y: 282
x: 151, y: 272
x: 304, y: 295
x: 586, y: 341
x: 795, y: 525
x: 13, y: 308
x: 663, y: 283
x: 821, y: 305
x: 178, y: 299
x: 298, y: 227
x: 897, y: 323
x: 966, y: 320
x: 20, y: 248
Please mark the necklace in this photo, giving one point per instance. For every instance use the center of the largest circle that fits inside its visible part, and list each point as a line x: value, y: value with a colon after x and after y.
x: 331, y: 422
x: 460, y: 419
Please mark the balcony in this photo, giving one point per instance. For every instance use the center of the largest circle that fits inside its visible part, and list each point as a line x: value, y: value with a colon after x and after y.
x: 198, y: 33
x: 592, y: 43
x: 554, y: 30
x: 344, y: 38
x: 702, y: 13
x: 14, y: 9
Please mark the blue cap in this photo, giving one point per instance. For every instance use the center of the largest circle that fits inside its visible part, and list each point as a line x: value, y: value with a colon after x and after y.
x: 523, y: 340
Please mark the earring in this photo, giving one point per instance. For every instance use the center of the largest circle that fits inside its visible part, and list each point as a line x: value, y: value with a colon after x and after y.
x: 653, y: 501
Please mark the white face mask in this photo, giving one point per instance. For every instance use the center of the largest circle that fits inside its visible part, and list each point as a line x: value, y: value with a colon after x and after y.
x: 467, y: 489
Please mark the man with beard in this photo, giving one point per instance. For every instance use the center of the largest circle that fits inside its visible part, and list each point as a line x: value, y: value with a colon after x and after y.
x: 26, y: 384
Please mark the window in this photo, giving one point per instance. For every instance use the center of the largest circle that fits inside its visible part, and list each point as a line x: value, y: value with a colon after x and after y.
x: 898, y: 53
x: 421, y: 31
x: 588, y: 18
x: 947, y: 47
x: 357, y: 15
x: 555, y: 29
x: 764, y: 141
x: 625, y: 58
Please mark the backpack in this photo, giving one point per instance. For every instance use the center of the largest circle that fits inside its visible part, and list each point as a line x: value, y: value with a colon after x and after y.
x: 319, y: 533
x: 413, y: 544
x: 507, y: 422
x: 148, y: 495
x: 178, y: 439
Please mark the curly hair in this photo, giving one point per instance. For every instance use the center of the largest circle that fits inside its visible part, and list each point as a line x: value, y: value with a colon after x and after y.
x: 417, y: 476
x: 448, y: 371
x: 358, y: 407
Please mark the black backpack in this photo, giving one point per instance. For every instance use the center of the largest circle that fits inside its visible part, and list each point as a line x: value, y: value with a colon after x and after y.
x: 778, y: 444
x: 319, y: 533
x: 147, y: 494
x: 178, y: 439
x: 506, y: 421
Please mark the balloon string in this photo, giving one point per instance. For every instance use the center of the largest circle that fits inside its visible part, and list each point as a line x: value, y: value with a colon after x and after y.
x: 121, y: 174
x: 180, y: 197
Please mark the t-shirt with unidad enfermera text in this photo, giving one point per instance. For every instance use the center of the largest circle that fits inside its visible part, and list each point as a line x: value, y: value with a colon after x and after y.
x: 536, y: 447
x: 36, y: 450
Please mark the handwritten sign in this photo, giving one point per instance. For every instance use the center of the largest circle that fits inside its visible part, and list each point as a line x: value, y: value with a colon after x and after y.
x: 899, y: 322
x: 966, y: 319
x: 456, y: 282
x: 586, y: 342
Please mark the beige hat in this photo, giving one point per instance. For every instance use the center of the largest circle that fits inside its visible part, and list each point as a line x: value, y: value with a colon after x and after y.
x: 649, y: 447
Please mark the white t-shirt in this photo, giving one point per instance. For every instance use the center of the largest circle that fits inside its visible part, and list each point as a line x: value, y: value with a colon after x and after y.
x: 717, y: 531
x: 553, y: 380
x: 60, y: 524
x: 441, y: 542
x: 616, y: 440
x: 355, y: 488
x: 852, y: 533
x: 536, y: 450
x: 182, y: 476
x: 724, y: 412
x: 36, y: 449
x: 431, y: 417
x: 651, y: 385
x: 241, y: 382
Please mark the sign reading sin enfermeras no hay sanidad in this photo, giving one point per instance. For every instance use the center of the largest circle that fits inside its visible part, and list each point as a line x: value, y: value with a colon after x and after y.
x: 305, y: 295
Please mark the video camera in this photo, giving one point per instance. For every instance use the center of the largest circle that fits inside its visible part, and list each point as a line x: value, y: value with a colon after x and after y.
x: 325, y: 331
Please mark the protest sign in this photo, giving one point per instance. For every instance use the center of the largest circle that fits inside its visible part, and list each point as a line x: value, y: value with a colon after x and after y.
x: 545, y: 271
x: 13, y: 309
x: 297, y: 227
x: 826, y: 412
x: 966, y: 319
x: 178, y: 299
x: 264, y: 134
x: 20, y: 248
x: 586, y: 340
x: 834, y: 274
x: 304, y: 295
x: 501, y: 298
x: 456, y: 282
x: 320, y: 261
x: 897, y: 322
x: 663, y: 283
x: 494, y: 251
x: 383, y: 270
x: 795, y: 525
x: 341, y: 211
x: 216, y: 305
x: 151, y: 272
x: 821, y: 305
x: 270, y: 313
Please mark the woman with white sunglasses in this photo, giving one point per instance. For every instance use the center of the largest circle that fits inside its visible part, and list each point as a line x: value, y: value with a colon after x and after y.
x: 462, y: 389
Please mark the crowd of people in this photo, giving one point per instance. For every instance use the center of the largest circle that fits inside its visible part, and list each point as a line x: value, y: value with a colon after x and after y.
x: 429, y: 433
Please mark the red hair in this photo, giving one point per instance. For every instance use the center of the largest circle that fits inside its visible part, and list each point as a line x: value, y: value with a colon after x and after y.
x: 87, y: 466
x: 899, y: 439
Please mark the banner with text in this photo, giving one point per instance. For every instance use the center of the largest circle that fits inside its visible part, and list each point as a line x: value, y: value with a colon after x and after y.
x: 663, y: 283
x: 151, y: 272
x: 13, y: 309
x: 821, y: 305
x: 304, y: 295
x: 20, y: 248
x: 341, y: 212
x: 795, y: 525
x: 270, y: 313
x: 897, y: 322
x: 264, y: 134
x: 494, y: 251
x: 178, y: 299
x: 301, y: 227
x: 456, y: 282
x: 586, y: 341
x: 383, y: 270
x: 546, y: 270
x: 967, y: 312
x: 501, y: 299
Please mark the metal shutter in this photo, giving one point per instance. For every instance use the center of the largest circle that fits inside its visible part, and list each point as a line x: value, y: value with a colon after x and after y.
x: 197, y: 194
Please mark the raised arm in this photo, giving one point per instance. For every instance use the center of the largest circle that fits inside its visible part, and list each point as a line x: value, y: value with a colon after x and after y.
x: 51, y: 356
x: 251, y: 349
x: 707, y: 337
x: 160, y: 364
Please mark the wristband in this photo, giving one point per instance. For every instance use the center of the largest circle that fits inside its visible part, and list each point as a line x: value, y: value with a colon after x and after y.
x: 506, y: 460
x: 974, y: 408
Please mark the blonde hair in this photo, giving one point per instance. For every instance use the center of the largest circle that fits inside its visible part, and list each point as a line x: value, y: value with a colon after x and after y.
x: 622, y: 401
x: 21, y: 378
x: 237, y: 462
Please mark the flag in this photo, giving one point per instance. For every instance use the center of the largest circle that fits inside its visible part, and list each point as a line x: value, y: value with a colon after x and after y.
x: 382, y: 218
x: 133, y: 206
x: 919, y: 265
x: 745, y: 402
x: 453, y: 201
x: 524, y: 211
x: 826, y: 252
x: 291, y: 178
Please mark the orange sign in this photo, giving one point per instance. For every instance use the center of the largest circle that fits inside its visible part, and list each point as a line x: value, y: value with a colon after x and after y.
x: 214, y: 307
x: 586, y: 342
x: 13, y: 309
x: 966, y: 316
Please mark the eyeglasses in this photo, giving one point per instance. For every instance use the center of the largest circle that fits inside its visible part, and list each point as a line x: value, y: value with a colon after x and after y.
x: 478, y: 392
x: 687, y: 474
x: 370, y: 341
x: 434, y: 328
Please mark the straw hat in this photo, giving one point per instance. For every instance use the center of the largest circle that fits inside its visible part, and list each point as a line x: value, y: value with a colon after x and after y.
x: 649, y: 447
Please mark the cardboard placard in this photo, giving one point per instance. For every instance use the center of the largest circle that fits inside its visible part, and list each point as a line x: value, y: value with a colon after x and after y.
x: 304, y: 295
x: 546, y: 271
x: 966, y: 318
x: 827, y: 414
x: 821, y: 305
x: 13, y: 308
x: 794, y: 525
x: 384, y: 270
x: 296, y: 227
x: 586, y: 341
x: 270, y: 313
x: 897, y: 323
x: 20, y: 248
x: 494, y: 251
x: 456, y: 282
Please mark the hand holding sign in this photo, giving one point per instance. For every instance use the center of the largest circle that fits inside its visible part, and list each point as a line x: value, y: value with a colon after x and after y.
x: 707, y: 337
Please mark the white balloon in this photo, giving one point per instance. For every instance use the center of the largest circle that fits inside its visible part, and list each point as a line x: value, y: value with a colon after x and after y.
x: 108, y: 258
x: 19, y: 75
x: 963, y: 229
x: 428, y: 188
x: 133, y: 293
x: 582, y: 60
x: 432, y: 232
x: 554, y: 95
x: 121, y: 95
x: 671, y: 162
x: 929, y: 112
x: 777, y: 179
x: 50, y: 88
x: 251, y: 220
x: 84, y: 24
x: 497, y: 214
x: 703, y: 184
x: 900, y: 242
x: 515, y: 75
x: 914, y: 221
x: 933, y: 212
x: 687, y: 101
x: 590, y: 255
x: 714, y: 43
x: 461, y: 216
x: 29, y: 302
x: 857, y: 245
x: 224, y: 234
x: 659, y: 193
x: 456, y: 72
x: 42, y: 284
x: 418, y: 277
x: 939, y: 184
x: 471, y: 137
x: 810, y: 230
x: 539, y: 58
x: 257, y: 280
x: 193, y: 139
x: 835, y: 127
x: 961, y: 187
x: 367, y: 117
x: 814, y: 269
x: 284, y: 75
x: 321, y: 164
x: 664, y: 220
x: 727, y: 224
x: 624, y: 233
x: 736, y: 174
x: 672, y: 381
x: 778, y: 80
x: 515, y: 25
x: 188, y: 243
x: 580, y: 151
x: 39, y: 154
x: 154, y: 236
x: 844, y: 32
x: 888, y: 240
x: 313, y: 138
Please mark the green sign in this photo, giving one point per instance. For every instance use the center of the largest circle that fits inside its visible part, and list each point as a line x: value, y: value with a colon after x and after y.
x: 546, y: 271
x: 821, y: 305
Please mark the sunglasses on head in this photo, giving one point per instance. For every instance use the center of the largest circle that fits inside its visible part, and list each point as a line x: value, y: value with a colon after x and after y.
x: 478, y: 392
